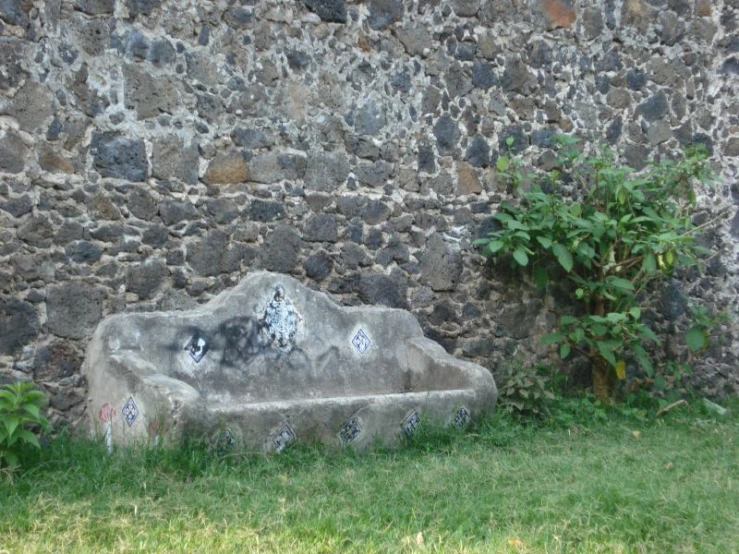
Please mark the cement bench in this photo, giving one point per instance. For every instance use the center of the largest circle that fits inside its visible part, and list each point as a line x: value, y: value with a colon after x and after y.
x: 272, y: 362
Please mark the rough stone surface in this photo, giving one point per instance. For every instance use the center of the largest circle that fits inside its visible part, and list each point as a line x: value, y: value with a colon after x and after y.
x: 13, y: 153
x: 226, y: 169
x: 95, y: 7
x: 478, y: 152
x: 274, y: 167
x: 263, y: 210
x: 326, y: 172
x: 446, y: 132
x: 31, y: 106
x: 383, y: 13
x: 281, y: 249
x: 119, y: 157
x: 51, y: 161
x: 348, y: 376
x: 321, y: 228
x: 172, y: 159
x: 148, y: 95
x: 144, y: 279
x: 19, y: 324
x: 384, y: 290
x: 467, y: 180
x: 328, y: 10
x: 74, y: 309
x: 215, y: 254
x: 441, y: 265
x: 211, y: 138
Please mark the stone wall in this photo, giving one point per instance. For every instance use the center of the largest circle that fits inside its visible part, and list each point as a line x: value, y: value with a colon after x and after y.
x: 152, y: 152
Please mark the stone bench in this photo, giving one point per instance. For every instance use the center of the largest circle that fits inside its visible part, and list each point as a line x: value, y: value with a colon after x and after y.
x: 272, y: 362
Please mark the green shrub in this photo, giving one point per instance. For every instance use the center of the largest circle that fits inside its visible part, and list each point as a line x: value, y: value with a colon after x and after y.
x: 608, y: 233
x: 20, y: 421
x: 524, y: 390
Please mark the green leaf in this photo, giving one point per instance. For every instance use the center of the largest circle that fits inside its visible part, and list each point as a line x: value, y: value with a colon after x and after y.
x: 11, y: 423
x: 515, y: 225
x: 564, y: 350
x: 648, y: 334
x: 34, y: 396
x: 541, y: 278
x: 621, y: 284
x: 551, y: 338
x: 33, y: 410
x: 696, y: 339
x: 563, y: 256
x: 635, y: 312
x: 544, y: 241
x: 12, y: 460
x: 28, y: 437
x: 495, y: 245
x: 606, y: 351
x: 567, y: 320
x: 576, y: 209
x: 502, y: 163
x: 615, y: 317
x: 585, y: 250
x: 519, y: 254
x: 643, y: 359
x: 509, y: 141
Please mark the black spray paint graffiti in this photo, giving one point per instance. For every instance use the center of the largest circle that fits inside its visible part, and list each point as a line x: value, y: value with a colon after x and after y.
x: 236, y: 341
x: 239, y: 339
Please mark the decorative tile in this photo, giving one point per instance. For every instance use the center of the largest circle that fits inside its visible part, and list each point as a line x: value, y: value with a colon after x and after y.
x: 283, y: 438
x: 130, y: 411
x: 225, y: 441
x: 350, y: 431
x: 361, y: 341
x: 196, y: 347
x: 280, y: 320
x: 461, y: 417
x: 411, y: 423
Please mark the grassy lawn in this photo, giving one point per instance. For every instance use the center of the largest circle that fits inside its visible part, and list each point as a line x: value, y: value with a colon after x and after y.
x: 668, y: 487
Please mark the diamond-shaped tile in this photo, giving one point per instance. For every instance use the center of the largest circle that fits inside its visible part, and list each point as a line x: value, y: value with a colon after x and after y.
x: 361, y: 341
x: 197, y: 346
x: 461, y: 417
x: 411, y: 423
x: 283, y: 438
x: 350, y: 431
x: 130, y: 411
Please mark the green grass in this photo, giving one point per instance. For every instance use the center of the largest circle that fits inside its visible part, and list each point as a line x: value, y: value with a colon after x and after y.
x: 503, y: 488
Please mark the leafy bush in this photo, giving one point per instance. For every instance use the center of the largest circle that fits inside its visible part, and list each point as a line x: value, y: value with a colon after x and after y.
x: 610, y: 233
x: 20, y: 421
x: 524, y: 391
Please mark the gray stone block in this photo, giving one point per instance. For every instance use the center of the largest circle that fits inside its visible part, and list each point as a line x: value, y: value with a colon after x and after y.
x: 326, y: 171
x: 270, y: 363
x: 73, y: 309
x: 441, y: 264
x: 13, y: 153
x: 119, y: 157
x: 19, y: 324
